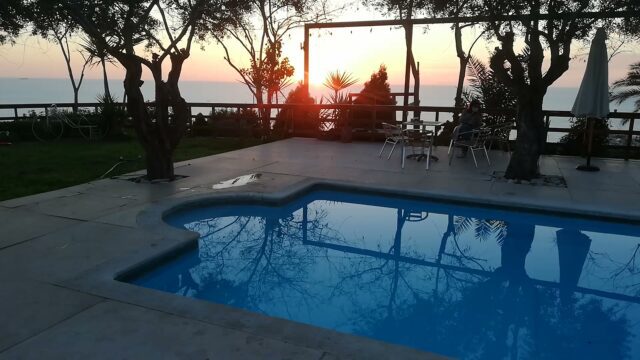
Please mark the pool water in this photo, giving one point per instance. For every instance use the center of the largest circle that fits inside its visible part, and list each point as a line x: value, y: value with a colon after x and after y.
x: 462, y: 281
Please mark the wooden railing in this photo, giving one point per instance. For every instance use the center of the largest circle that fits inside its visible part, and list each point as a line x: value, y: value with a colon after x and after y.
x: 436, y: 113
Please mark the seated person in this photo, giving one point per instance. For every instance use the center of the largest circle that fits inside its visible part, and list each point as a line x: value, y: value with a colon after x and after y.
x: 470, y: 120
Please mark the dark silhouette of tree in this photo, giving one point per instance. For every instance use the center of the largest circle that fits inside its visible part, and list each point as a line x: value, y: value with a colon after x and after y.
x: 408, y: 9
x: 12, y: 19
x: 523, y: 71
x: 337, y: 82
x: 484, y: 86
x: 376, y: 91
x: 60, y: 34
x: 144, y: 34
x: 98, y: 56
x: 54, y: 26
x: 573, y: 141
x: 260, y: 36
x: 299, y: 117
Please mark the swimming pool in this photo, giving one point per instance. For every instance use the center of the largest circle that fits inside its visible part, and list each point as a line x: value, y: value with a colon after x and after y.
x: 463, y: 281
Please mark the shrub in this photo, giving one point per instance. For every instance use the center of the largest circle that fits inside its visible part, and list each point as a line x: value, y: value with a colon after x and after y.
x: 575, y: 142
x: 234, y: 123
x: 297, y: 118
x: 113, y: 118
x: 376, y: 91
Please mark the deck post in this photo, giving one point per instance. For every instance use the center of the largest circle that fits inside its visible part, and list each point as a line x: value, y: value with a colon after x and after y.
x: 629, y: 139
x: 305, y: 47
x: 408, y: 29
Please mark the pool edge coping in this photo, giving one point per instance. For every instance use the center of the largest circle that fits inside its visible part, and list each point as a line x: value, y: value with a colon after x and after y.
x: 154, y: 215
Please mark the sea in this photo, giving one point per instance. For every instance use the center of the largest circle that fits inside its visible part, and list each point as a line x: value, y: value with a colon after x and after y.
x: 51, y: 91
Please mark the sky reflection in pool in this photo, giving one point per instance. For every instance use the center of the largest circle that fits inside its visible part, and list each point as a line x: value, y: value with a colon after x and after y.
x: 469, y: 282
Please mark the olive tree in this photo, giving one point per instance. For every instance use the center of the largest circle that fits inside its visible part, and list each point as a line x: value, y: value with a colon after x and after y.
x: 156, y: 35
x: 519, y: 60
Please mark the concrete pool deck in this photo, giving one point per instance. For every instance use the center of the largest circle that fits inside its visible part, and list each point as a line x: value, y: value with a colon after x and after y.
x: 60, y: 250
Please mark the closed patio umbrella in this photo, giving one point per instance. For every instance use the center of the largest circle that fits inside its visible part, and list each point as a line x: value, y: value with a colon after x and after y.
x: 592, y: 101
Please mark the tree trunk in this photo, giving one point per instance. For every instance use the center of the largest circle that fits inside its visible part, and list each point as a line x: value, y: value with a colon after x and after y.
x: 159, y: 161
x: 107, y: 93
x: 464, y: 61
x: 76, y: 90
x: 530, y: 140
x: 262, y: 112
x: 462, y: 71
x: 158, y: 156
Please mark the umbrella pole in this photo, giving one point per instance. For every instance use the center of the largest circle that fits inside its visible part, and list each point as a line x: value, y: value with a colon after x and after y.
x: 588, y: 166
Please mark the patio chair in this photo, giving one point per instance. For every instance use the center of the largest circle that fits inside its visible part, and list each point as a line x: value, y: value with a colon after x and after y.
x: 393, y: 135
x: 476, y: 142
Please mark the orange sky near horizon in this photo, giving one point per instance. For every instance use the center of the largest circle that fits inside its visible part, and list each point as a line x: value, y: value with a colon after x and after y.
x: 359, y: 51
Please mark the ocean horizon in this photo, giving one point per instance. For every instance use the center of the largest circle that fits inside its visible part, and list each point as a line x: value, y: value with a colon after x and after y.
x: 50, y: 90
x: 58, y: 90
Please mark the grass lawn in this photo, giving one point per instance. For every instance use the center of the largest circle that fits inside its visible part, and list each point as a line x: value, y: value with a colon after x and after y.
x: 34, y: 167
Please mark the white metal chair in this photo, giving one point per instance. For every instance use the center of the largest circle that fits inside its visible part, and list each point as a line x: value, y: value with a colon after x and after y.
x: 393, y: 135
x: 477, y: 141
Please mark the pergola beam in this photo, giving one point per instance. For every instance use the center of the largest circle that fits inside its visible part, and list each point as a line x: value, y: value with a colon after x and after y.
x: 477, y: 19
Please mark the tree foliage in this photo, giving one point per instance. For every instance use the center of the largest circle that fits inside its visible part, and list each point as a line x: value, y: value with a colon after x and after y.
x: 376, y: 91
x: 261, y: 34
x: 574, y: 142
x: 628, y: 88
x: 12, y: 19
x: 299, y: 117
x: 484, y: 86
x: 144, y: 34
x: 270, y: 75
x: 403, y: 9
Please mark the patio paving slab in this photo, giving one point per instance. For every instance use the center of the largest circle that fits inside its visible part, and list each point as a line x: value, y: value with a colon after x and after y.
x: 18, y: 225
x: 115, y: 330
x: 622, y: 201
x: 29, y: 307
x: 81, y: 206
x: 63, y: 254
x: 125, y: 217
x: 36, y: 198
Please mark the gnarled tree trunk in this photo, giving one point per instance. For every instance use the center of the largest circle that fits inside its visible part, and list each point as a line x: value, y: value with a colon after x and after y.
x: 105, y: 79
x: 531, y: 138
x: 158, y: 132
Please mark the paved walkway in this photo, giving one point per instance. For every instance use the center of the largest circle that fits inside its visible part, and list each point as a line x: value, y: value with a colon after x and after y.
x: 59, y: 252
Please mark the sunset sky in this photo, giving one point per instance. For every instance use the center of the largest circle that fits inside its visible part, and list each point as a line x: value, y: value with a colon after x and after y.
x: 359, y: 51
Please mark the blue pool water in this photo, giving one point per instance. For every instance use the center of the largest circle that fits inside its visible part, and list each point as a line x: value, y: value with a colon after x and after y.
x: 468, y: 282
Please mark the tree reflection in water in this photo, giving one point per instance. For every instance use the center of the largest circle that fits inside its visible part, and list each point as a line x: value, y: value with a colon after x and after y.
x: 443, y: 282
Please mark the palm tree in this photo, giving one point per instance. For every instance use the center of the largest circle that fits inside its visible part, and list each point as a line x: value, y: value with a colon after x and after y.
x: 338, y: 81
x: 628, y: 88
x: 97, y: 55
